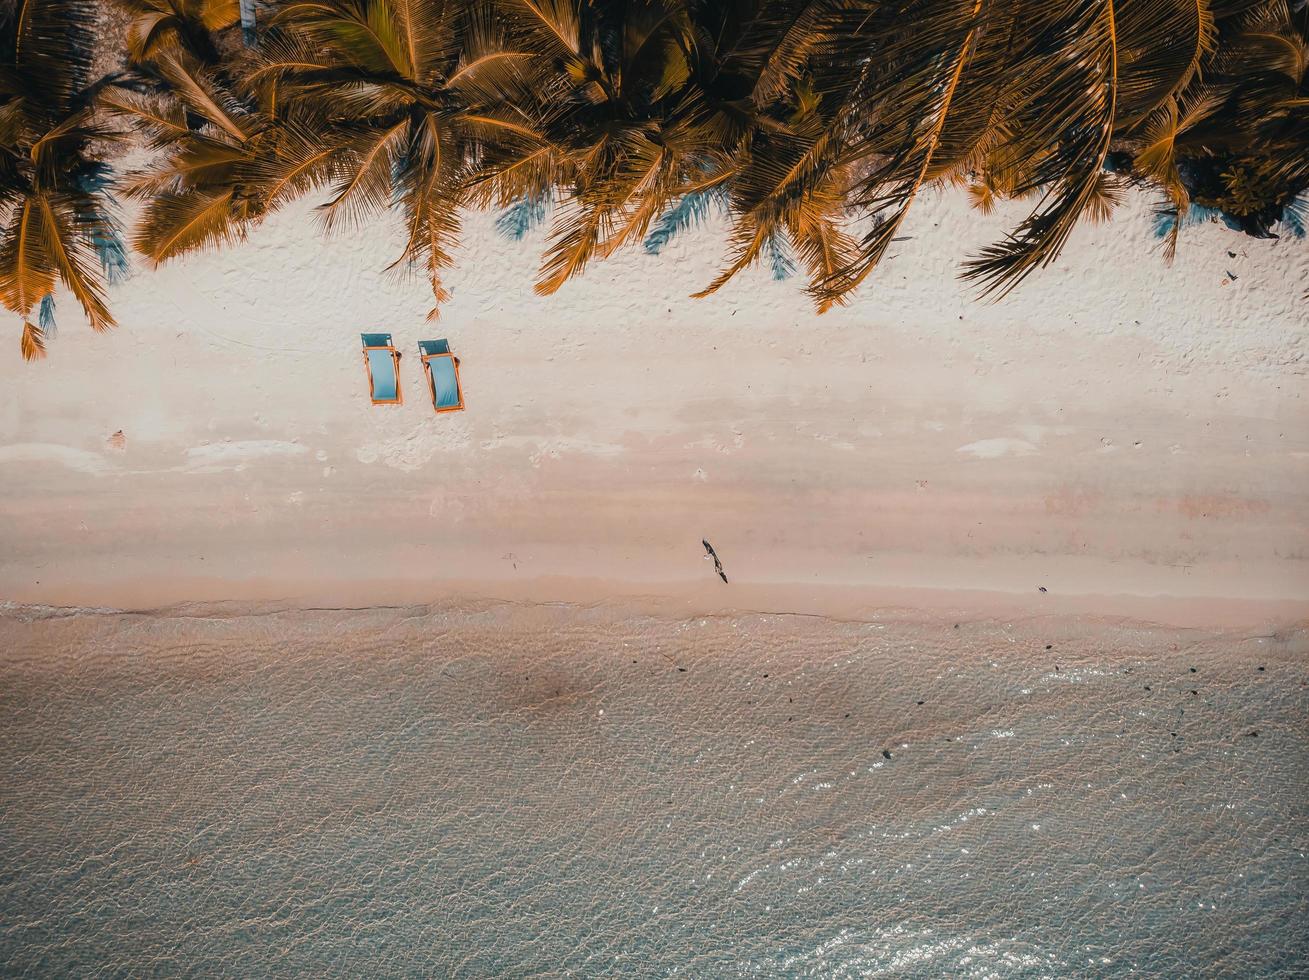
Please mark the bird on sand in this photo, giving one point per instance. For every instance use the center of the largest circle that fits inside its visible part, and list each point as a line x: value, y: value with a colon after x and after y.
x: 710, y: 553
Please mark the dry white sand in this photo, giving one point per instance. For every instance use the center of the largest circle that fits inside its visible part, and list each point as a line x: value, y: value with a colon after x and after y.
x: 1131, y: 437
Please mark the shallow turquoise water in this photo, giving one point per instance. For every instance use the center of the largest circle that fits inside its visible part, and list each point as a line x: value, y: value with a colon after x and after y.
x: 512, y: 791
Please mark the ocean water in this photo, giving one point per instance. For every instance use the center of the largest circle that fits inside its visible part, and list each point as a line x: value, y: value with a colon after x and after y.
x: 500, y: 790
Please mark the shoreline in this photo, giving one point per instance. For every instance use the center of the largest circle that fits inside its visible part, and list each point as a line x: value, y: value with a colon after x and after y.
x: 682, y: 601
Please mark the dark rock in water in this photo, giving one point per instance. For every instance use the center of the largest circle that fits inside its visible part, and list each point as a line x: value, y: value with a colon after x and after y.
x: 886, y: 753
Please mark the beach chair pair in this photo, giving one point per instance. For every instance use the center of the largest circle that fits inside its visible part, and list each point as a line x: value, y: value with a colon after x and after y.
x: 382, y: 360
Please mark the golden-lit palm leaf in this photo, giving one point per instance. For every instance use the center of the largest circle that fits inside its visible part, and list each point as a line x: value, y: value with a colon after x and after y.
x: 176, y: 223
x: 72, y: 255
x: 366, y: 35
x: 430, y: 179
x: 32, y: 344
x: 745, y: 244
x: 199, y: 92
x: 572, y: 243
x: 777, y: 46
x: 814, y: 227
x: 932, y: 82
x: 428, y: 36
x: 162, y: 119
x: 1162, y: 44
x: 556, y: 19
x: 366, y: 189
x: 1072, y: 103
x: 303, y: 158
x: 27, y: 269
x: 1158, y: 157
x: 159, y: 26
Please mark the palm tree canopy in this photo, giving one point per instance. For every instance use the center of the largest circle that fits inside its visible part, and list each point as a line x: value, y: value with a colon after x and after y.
x: 53, y: 179
x: 813, y: 124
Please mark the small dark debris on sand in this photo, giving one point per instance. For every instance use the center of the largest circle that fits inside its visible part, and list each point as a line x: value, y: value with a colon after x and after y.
x: 1195, y: 692
x: 886, y: 753
x: 681, y: 670
x: 1253, y: 734
x: 1147, y: 687
x: 920, y: 702
x: 1049, y: 646
x: 1040, y: 588
x: 1259, y: 668
x: 1193, y: 670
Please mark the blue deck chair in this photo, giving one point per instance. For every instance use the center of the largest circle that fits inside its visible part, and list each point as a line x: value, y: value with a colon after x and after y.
x: 382, y: 361
x: 442, y: 369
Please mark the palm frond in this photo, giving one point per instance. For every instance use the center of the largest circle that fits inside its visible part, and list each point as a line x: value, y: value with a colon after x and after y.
x: 175, y: 223
x: 32, y: 345
x: 1071, y: 104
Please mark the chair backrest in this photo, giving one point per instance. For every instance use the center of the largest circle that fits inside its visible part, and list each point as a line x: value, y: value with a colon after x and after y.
x: 384, y: 377
x: 426, y: 347
x: 445, y: 382
x: 376, y: 339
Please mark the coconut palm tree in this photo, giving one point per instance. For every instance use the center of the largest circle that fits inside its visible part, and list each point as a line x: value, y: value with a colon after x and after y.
x: 54, y: 201
x: 649, y: 109
x: 222, y: 162
x: 394, y: 102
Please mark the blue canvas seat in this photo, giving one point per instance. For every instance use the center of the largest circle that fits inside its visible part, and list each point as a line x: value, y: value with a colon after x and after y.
x: 383, y: 363
x: 442, y: 369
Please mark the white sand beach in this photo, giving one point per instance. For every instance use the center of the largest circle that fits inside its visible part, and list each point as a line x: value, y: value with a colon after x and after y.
x: 1131, y: 437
